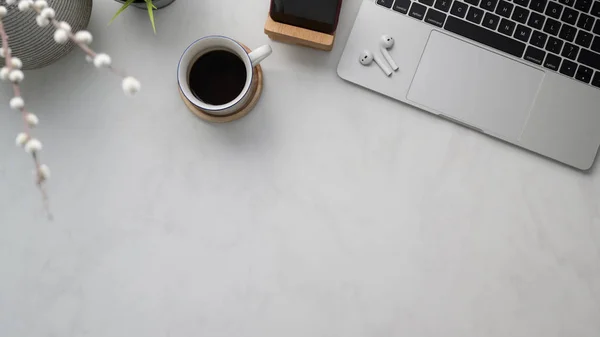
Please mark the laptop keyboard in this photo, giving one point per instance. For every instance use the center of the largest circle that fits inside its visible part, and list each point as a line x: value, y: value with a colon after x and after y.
x: 563, y: 35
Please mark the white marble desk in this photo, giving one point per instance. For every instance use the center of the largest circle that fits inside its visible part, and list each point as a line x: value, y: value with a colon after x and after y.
x: 328, y: 211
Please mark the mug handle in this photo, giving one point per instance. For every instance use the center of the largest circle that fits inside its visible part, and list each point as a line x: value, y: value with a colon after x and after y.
x: 259, y: 54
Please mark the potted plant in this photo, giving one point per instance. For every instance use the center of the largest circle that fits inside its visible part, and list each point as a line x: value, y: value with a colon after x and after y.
x: 149, y: 5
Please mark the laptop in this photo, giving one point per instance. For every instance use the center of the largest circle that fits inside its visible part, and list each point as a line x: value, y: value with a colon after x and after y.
x: 524, y: 71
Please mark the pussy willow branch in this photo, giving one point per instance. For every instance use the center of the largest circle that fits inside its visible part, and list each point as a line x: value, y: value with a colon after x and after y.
x: 84, y: 47
x: 27, y: 129
x: 62, y: 34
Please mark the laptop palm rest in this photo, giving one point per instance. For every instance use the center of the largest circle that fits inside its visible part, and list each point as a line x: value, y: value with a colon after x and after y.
x: 474, y: 86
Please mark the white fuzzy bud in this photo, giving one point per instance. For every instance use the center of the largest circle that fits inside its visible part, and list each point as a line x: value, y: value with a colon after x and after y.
x: 61, y: 36
x: 44, y: 172
x: 16, y: 63
x: 84, y: 36
x: 33, y: 145
x: 3, y: 11
x: 24, y: 5
x: 32, y: 119
x: 3, y: 52
x: 4, y: 73
x: 10, y: 2
x: 16, y: 76
x: 22, y: 138
x: 48, y: 13
x: 131, y: 86
x: 17, y: 103
x: 40, y: 4
x: 64, y: 25
x: 102, y: 60
x: 42, y: 21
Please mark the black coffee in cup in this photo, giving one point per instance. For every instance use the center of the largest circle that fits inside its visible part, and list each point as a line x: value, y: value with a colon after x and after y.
x: 217, y: 77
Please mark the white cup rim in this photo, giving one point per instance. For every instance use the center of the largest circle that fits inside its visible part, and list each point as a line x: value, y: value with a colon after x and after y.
x: 185, y: 86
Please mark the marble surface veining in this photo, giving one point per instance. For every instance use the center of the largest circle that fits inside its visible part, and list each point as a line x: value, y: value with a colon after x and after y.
x: 328, y: 211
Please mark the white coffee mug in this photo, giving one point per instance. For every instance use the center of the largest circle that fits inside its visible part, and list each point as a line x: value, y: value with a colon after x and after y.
x: 212, y: 43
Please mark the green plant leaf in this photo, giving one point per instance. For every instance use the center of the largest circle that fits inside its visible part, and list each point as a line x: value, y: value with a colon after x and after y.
x: 124, y: 7
x: 151, y: 8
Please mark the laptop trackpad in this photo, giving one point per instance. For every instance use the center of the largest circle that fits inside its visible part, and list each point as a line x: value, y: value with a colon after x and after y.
x: 475, y: 86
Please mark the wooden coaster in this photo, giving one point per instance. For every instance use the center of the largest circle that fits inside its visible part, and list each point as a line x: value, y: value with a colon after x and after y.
x: 257, y: 83
x: 285, y: 33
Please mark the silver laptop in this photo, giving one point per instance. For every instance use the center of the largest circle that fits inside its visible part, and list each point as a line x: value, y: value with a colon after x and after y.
x: 525, y: 71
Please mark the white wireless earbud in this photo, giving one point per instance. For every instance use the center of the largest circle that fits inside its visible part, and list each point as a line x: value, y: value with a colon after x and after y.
x: 367, y: 57
x: 386, y: 43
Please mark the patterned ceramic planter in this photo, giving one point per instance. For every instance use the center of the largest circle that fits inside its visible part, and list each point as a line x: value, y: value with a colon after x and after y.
x: 35, y: 46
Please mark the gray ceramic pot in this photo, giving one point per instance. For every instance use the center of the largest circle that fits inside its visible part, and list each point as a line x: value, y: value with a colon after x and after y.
x: 158, y: 3
x: 34, y: 45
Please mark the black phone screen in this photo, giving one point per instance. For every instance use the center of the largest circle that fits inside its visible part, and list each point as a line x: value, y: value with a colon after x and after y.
x: 319, y: 15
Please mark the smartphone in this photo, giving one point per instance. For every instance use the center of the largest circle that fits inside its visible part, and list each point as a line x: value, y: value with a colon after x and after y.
x: 318, y: 15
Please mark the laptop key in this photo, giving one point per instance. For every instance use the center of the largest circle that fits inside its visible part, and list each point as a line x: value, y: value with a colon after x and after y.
x: 584, y: 39
x: 538, y: 39
x: 554, y: 9
x: 538, y: 5
x: 520, y: 14
x: 596, y: 80
x: 568, y: 33
x: 475, y: 15
x: 570, y: 16
x: 585, y: 22
x: 523, y: 3
x: 507, y: 27
x: 472, y: 2
x: 536, y: 21
x: 554, y: 45
x: 488, y: 5
x: 552, y: 27
x: 385, y: 3
x: 596, y: 9
x: 459, y: 9
x: 552, y: 62
x: 491, y: 21
x: 589, y: 59
x: 583, y: 5
x: 417, y: 11
x: 401, y: 6
x: 584, y: 74
x: 504, y: 9
x: 443, y: 5
x: 427, y: 2
x: 597, y: 27
x: 570, y: 51
x: 567, y: 2
x: 534, y: 55
x: 568, y: 68
x: 435, y: 18
x: 523, y: 33
x: 596, y: 44
x: 484, y: 36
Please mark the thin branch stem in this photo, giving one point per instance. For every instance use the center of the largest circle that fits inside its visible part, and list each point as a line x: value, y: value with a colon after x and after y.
x: 27, y: 129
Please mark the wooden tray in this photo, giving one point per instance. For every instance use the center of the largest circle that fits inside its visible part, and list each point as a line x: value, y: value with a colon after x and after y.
x: 301, y: 36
